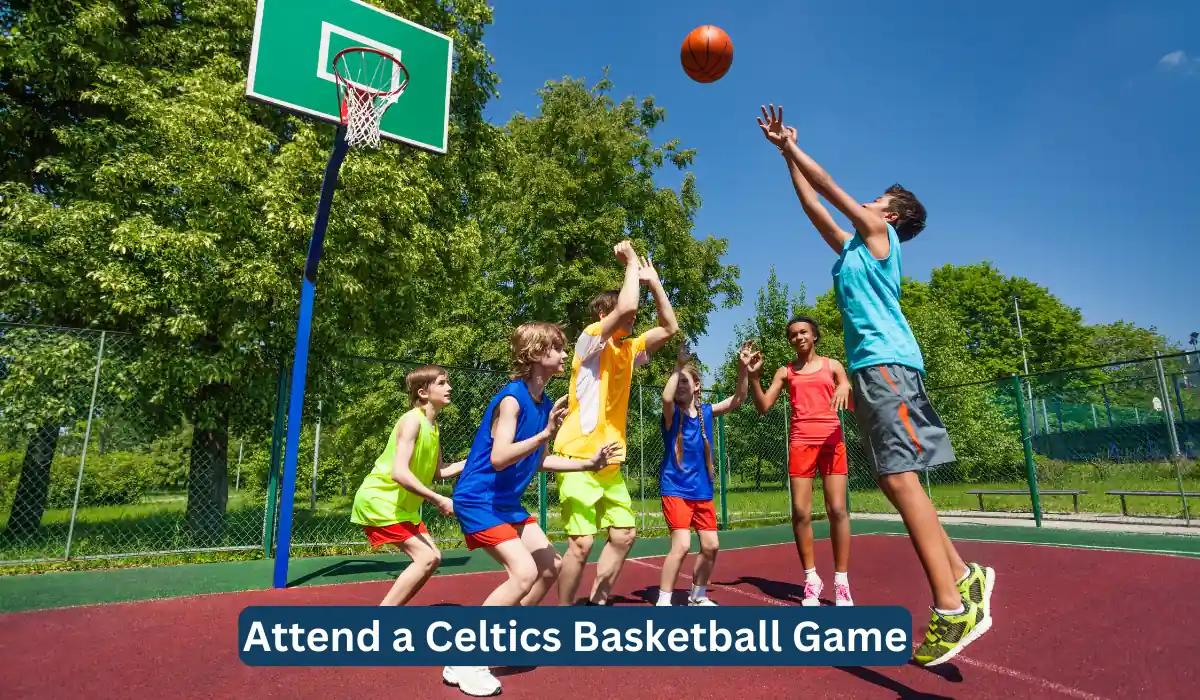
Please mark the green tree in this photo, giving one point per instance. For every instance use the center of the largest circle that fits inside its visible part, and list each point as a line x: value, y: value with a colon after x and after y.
x: 143, y: 192
x: 981, y: 298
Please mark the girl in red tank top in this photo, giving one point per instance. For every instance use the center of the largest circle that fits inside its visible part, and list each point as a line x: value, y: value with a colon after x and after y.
x: 817, y: 388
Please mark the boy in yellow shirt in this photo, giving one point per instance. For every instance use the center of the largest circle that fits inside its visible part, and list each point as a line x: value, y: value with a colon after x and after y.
x: 601, y: 375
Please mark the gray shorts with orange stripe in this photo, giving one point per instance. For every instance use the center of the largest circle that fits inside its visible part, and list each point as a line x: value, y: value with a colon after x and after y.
x: 897, y: 425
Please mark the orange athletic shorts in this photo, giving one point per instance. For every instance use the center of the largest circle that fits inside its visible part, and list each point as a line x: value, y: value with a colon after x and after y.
x: 683, y: 514
x: 394, y: 533
x: 496, y: 534
x: 806, y: 461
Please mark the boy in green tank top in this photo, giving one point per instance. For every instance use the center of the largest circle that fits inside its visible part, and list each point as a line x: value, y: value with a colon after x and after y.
x: 388, y: 503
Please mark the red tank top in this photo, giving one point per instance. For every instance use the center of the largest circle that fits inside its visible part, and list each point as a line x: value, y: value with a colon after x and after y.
x: 813, y: 421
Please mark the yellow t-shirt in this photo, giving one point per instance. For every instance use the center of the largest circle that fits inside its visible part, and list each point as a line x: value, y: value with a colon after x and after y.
x: 598, y: 403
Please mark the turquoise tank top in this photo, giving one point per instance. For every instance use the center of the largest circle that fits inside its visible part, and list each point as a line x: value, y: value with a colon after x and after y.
x: 868, y: 295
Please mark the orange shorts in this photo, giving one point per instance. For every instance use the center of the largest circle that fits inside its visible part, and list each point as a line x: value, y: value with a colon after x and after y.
x: 683, y: 514
x: 497, y: 533
x: 394, y: 533
x: 806, y: 461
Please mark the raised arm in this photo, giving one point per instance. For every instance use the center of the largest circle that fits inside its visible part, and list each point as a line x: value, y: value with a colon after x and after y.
x: 764, y: 400
x: 820, y: 217
x: 627, y: 298
x: 733, y: 403
x: 668, y: 395
x: 872, y: 229
x: 406, y: 440
x: 657, y: 337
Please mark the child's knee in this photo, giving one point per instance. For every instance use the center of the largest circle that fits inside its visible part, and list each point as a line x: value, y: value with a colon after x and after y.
x: 801, y: 516
x: 580, y: 546
x: 525, y: 575
x: 709, y: 546
x: 427, y: 560
x: 622, y: 538
x: 836, y: 512
x: 681, y: 545
x: 550, y: 567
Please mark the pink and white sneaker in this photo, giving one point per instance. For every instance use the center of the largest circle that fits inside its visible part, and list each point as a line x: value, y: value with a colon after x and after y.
x: 842, y: 594
x: 812, y: 593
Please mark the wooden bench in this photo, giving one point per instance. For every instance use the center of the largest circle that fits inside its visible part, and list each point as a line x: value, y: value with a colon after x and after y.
x: 1174, y: 494
x: 1025, y: 492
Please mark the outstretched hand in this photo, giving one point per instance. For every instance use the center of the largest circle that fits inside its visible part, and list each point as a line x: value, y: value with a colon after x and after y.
x: 646, y: 272
x: 558, y: 413
x: 605, y: 456
x: 772, y: 126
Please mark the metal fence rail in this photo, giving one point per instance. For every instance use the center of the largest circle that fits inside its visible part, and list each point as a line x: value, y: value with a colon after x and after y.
x: 90, y: 469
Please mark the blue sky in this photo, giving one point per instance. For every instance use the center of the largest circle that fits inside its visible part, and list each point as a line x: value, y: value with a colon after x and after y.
x: 1059, y: 140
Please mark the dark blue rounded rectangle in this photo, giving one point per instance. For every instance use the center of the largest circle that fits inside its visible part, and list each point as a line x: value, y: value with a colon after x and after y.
x: 574, y: 636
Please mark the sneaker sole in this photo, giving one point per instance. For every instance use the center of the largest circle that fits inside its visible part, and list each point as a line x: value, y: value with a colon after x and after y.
x: 453, y: 683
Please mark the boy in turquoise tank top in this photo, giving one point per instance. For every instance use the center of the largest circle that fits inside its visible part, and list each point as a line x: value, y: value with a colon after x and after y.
x: 899, y: 429
x: 388, y: 503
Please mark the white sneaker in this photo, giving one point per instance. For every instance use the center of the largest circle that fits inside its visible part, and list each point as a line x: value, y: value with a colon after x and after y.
x: 843, y: 598
x: 476, y: 681
x: 703, y: 601
x: 812, y: 593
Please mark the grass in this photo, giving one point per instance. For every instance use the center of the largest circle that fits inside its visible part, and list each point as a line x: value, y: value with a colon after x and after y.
x: 155, y: 530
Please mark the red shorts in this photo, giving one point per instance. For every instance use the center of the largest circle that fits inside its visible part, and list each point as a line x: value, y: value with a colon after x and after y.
x: 683, y: 514
x: 394, y: 533
x: 496, y: 534
x: 806, y: 461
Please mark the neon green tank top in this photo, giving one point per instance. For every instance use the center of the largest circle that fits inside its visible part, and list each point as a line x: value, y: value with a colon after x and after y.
x: 380, y: 501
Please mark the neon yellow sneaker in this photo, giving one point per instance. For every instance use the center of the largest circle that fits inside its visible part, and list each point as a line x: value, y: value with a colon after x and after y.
x: 948, y: 635
x: 977, y: 587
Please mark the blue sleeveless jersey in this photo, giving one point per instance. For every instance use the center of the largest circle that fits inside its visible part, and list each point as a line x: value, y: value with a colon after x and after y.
x: 483, y: 497
x: 692, y: 481
x: 868, y: 295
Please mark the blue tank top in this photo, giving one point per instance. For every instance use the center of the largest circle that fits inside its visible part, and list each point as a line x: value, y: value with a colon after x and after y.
x: 692, y: 481
x: 481, y: 491
x: 868, y: 295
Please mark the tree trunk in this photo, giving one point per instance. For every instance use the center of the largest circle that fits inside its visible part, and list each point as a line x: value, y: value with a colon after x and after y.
x: 208, y: 469
x: 33, y: 486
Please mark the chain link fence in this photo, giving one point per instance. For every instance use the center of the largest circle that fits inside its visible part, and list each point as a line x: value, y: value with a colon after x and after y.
x: 91, y: 468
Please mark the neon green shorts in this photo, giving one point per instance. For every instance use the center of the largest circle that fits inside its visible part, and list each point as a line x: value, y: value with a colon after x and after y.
x: 594, y: 500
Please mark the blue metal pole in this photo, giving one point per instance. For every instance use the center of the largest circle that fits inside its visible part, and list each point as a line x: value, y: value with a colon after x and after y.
x: 308, y: 290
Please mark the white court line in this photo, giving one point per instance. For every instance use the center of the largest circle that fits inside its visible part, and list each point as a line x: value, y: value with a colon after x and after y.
x: 1002, y: 670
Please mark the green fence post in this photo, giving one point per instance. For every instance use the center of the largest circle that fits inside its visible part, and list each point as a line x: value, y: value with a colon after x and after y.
x: 542, y: 502
x: 1030, y: 467
x: 281, y: 403
x: 721, y: 469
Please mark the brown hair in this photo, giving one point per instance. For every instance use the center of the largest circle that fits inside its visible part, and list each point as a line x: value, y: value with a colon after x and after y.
x: 603, y: 303
x: 530, y: 341
x: 691, y: 369
x: 910, y: 213
x: 420, y: 378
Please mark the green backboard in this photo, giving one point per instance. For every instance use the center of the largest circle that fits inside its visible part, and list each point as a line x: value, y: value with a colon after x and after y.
x: 291, y: 64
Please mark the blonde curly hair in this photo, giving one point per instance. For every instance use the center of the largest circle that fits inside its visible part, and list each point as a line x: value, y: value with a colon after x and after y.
x: 530, y: 341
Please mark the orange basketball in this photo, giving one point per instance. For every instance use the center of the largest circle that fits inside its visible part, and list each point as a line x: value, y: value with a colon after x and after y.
x: 707, y: 54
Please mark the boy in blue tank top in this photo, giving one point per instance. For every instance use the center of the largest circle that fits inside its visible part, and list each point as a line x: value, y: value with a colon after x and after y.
x: 686, y: 472
x: 509, y: 448
x: 897, y: 425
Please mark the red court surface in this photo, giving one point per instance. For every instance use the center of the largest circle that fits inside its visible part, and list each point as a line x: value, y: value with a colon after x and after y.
x: 1069, y: 623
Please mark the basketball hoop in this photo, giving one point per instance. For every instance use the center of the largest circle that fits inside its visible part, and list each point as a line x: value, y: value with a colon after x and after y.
x: 368, y: 83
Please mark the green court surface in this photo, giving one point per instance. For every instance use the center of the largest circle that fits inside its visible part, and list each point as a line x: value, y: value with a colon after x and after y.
x: 74, y: 588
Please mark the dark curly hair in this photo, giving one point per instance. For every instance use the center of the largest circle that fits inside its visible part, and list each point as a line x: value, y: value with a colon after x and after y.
x: 909, y: 211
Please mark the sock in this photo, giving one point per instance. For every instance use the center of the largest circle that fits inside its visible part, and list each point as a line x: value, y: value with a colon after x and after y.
x: 961, y: 609
x: 842, y: 577
x: 810, y: 576
x: 698, y: 592
x: 964, y: 576
x: 664, y: 597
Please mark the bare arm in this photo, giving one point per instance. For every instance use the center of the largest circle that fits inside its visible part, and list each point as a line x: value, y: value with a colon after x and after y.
x: 820, y: 217
x: 505, y: 452
x: 667, y: 325
x: 446, y: 471
x: 735, y: 402
x: 872, y: 229
x: 627, y: 299
x: 406, y: 440
x: 841, y: 387
x: 668, y: 396
x: 764, y: 400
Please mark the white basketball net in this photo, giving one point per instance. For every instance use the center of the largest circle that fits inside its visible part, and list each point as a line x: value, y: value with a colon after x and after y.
x: 363, y: 104
x: 364, y: 110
